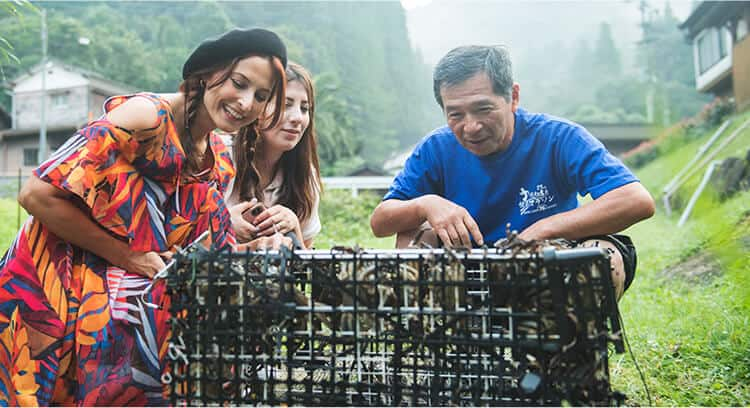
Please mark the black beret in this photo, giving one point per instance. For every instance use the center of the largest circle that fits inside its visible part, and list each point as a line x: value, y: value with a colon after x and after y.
x: 234, y: 44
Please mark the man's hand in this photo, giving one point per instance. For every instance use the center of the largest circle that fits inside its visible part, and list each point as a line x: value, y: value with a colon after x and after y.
x: 452, y: 223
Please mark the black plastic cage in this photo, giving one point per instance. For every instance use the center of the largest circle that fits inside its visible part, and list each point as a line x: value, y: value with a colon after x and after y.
x: 392, y: 327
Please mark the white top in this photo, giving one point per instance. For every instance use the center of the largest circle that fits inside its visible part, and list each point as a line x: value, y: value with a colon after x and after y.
x: 310, y: 227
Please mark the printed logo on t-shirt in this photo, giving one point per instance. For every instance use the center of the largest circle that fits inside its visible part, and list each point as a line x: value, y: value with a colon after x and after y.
x: 535, y: 201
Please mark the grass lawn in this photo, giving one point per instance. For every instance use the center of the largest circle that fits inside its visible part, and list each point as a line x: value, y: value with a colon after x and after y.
x: 687, y: 314
x: 9, y: 221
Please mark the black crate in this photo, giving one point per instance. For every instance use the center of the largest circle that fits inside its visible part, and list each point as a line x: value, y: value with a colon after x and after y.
x: 392, y: 327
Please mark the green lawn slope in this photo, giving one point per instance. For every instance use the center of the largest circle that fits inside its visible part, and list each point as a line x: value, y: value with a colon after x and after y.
x: 687, y: 315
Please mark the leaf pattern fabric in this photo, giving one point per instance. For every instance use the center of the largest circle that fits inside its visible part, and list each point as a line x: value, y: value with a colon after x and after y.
x: 74, y: 329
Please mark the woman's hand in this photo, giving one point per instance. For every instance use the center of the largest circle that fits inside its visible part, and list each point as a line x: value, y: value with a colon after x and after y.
x: 243, y: 230
x: 273, y: 242
x: 145, y: 264
x: 278, y: 219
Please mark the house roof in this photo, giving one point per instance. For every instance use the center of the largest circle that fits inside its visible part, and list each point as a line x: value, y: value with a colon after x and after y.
x: 20, y: 133
x: 94, y: 79
x: 397, y: 160
x: 711, y: 14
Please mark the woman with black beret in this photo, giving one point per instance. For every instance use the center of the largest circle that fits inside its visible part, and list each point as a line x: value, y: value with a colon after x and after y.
x: 117, y: 197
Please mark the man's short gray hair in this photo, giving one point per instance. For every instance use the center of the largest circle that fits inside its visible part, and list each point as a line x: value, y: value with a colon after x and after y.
x: 462, y: 63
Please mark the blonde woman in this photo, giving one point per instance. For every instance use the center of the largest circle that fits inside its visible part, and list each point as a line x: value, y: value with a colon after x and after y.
x: 277, y: 187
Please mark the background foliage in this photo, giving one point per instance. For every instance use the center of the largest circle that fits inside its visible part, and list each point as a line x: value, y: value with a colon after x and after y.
x: 587, y: 81
x: 374, y: 92
x: 687, y: 311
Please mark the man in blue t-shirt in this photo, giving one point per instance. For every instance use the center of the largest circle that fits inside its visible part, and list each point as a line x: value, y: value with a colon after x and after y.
x: 496, y: 164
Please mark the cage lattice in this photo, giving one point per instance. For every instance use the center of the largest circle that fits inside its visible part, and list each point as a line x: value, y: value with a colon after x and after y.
x: 392, y: 327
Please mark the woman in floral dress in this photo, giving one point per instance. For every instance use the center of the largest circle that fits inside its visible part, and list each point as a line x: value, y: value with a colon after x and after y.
x: 106, y: 210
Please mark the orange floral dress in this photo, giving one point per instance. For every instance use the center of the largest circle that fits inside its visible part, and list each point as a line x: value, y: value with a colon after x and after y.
x: 74, y: 329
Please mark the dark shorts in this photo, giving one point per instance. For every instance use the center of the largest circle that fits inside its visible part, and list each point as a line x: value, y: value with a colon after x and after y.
x: 626, y: 248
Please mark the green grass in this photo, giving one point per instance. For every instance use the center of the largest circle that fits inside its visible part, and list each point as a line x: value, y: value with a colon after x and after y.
x: 346, y: 221
x: 690, y: 336
x: 9, y: 216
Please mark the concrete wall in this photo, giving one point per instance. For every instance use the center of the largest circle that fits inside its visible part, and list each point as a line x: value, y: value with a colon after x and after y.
x: 73, y: 113
x: 11, y: 151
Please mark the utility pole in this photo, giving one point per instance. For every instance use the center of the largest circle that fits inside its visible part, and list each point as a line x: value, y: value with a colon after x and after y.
x: 43, y: 128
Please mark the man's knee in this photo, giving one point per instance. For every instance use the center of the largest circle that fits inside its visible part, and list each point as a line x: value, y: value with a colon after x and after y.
x: 616, y: 262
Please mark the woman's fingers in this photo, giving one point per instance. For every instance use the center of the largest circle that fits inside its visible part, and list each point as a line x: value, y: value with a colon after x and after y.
x: 281, y: 227
x: 273, y: 242
x: 277, y: 219
x: 266, y: 214
x: 145, y: 264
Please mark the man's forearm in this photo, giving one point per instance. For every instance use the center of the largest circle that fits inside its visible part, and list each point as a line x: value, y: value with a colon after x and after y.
x: 393, y: 216
x: 609, y: 214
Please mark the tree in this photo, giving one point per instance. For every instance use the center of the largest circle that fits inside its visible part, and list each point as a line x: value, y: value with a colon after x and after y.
x: 374, y: 91
x: 606, y: 55
x: 667, y: 61
x: 583, y: 78
x: 9, y: 11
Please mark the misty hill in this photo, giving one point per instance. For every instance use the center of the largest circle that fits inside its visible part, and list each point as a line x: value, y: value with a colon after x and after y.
x: 545, y: 38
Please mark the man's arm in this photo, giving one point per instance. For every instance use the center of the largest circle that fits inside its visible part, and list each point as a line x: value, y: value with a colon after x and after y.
x: 452, y: 223
x: 610, y: 213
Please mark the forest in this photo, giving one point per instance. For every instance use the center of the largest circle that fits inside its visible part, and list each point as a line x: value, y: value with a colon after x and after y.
x: 374, y: 90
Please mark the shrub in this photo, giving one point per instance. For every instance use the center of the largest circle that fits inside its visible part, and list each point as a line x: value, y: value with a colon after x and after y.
x: 641, y: 155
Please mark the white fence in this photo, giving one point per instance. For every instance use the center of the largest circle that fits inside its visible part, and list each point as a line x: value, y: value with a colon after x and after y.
x: 9, y: 188
x: 358, y: 183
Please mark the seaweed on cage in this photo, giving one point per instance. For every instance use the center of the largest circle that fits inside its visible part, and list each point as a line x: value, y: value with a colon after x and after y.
x: 508, y: 326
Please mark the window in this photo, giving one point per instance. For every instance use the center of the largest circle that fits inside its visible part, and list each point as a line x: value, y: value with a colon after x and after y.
x: 59, y: 100
x: 712, y: 48
x: 31, y: 156
x: 742, y: 29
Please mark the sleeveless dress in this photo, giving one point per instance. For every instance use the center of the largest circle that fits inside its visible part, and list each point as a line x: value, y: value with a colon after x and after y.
x: 74, y: 328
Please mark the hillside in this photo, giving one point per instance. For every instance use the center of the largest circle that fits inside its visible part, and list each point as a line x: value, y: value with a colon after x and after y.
x: 686, y: 315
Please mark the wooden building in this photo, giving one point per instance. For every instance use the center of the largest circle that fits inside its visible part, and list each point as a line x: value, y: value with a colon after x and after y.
x: 720, y: 33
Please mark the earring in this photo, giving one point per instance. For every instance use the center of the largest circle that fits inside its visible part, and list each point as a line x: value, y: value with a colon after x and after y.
x: 202, y: 83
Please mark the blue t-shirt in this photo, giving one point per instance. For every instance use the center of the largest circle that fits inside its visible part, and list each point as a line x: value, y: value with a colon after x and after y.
x: 548, y: 163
